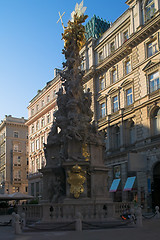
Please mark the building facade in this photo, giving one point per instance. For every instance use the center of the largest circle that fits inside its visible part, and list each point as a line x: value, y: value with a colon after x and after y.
x: 122, y: 70
x: 41, y: 110
x: 13, y: 155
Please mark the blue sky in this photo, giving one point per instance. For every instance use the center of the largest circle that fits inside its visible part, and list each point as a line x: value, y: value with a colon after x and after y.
x: 31, y: 45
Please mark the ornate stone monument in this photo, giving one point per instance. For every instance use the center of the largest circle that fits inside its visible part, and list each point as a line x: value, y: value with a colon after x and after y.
x: 74, y: 152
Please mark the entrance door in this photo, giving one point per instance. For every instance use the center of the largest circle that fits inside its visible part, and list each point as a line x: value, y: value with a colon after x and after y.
x: 156, y: 186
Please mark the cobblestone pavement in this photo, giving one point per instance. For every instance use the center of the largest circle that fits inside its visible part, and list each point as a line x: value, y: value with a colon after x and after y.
x: 149, y: 231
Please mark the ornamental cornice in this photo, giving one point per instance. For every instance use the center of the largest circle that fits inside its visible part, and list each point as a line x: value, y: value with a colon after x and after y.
x: 41, y: 113
x: 149, y: 28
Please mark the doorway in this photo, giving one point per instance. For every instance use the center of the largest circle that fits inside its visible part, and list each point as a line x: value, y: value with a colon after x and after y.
x: 156, y: 186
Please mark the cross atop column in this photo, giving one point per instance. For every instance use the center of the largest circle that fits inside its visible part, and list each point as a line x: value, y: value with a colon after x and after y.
x: 60, y: 18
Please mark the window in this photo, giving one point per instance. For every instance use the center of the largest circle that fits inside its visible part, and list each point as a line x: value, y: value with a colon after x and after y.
x: 114, y: 76
x: 127, y: 66
x: 129, y: 96
x: 102, y: 82
x: 37, y: 144
x: 19, y: 159
x: 42, y: 141
x: 116, y: 137
x: 48, y: 98
x: 125, y: 36
x: 32, y: 147
x: 37, y: 107
x: 15, y: 147
x: 156, y: 121
x: 32, y: 129
x: 103, y: 110
x: 15, y: 134
x: 37, y: 126
x: 48, y: 118
x: 115, y: 103
x: 32, y: 112
x: 42, y: 122
x: 33, y: 167
x: 42, y: 103
x: 54, y: 93
x: 149, y: 9
x: 100, y: 56
x: 15, y: 189
x: 112, y: 46
x: 151, y: 48
x: 17, y: 175
x: 154, y: 81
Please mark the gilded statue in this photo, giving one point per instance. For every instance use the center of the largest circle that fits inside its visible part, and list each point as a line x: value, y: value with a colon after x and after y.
x: 76, y: 179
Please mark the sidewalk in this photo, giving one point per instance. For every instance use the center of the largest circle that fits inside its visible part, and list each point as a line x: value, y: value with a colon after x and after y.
x: 149, y: 231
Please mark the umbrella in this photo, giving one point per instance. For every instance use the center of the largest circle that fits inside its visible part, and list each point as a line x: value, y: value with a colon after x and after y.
x: 5, y: 196
x: 20, y: 196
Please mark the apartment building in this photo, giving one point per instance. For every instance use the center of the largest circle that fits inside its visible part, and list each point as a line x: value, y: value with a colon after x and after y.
x: 41, y: 109
x: 13, y: 155
x: 122, y: 69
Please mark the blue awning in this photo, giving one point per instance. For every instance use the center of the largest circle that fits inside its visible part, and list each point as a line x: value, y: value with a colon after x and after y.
x: 114, y: 185
x: 129, y: 184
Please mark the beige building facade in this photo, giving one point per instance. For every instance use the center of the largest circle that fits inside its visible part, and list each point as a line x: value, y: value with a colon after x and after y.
x: 122, y: 70
x: 13, y: 155
x: 41, y: 110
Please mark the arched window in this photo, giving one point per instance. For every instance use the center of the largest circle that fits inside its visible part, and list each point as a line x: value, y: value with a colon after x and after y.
x: 42, y: 122
x: 149, y: 9
x: 156, y: 121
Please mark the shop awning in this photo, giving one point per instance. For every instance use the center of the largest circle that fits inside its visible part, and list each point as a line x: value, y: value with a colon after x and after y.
x: 129, y: 184
x: 114, y: 185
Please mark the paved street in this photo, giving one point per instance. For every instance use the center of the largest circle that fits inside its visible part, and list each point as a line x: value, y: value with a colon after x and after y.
x: 149, y: 231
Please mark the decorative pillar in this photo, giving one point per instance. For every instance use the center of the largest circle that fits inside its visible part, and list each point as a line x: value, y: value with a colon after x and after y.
x: 86, y: 60
x: 108, y: 140
x: 139, y: 13
x: 121, y: 136
x: 157, y: 5
x: 132, y: 20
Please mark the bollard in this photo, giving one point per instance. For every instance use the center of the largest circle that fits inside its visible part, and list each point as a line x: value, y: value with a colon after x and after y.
x: 17, y: 224
x: 139, y: 217
x: 13, y: 219
x: 78, y: 226
x: 157, y: 212
x: 23, y: 220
